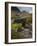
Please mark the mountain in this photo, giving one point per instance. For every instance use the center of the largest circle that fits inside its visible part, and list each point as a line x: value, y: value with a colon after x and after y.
x: 15, y: 9
x: 25, y: 12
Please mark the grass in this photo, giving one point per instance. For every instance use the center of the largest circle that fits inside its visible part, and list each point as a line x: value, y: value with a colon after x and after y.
x: 16, y: 26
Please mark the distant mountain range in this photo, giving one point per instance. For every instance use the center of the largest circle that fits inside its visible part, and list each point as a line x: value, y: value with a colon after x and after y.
x: 17, y: 9
x: 19, y: 13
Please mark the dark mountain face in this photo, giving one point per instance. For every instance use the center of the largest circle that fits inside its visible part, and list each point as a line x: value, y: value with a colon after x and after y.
x: 15, y: 9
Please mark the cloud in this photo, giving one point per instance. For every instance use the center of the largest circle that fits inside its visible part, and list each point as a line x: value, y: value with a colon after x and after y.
x: 30, y: 11
x: 27, y: 9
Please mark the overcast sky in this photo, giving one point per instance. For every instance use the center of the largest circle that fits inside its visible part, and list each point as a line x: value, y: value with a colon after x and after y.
x: 28, y: 9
